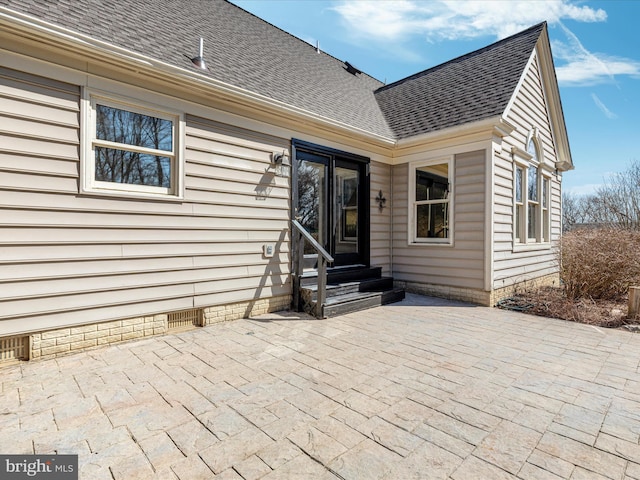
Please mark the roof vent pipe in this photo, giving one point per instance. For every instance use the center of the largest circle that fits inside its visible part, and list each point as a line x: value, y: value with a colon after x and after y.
x: 199, y: 60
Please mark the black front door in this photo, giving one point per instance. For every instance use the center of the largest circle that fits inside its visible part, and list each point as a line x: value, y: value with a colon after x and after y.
x: 331, y: 202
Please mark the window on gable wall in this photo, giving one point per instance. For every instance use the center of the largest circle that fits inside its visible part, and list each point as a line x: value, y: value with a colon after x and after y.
x: 546, y: 219
x: 531, y: 198
x: 533, y: 205
x: 131, y: 149
x: 431, y: 201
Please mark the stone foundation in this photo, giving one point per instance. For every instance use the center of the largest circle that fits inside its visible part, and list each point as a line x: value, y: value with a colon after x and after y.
x: 235, y: 311
x: 63, y: 341
x: 54, y: 343
x: 470, y: 295
x: 532, y: 284
x: 480, y: 297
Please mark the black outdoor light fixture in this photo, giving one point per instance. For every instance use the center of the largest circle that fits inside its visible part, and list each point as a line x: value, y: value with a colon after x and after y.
x: 280, y: 160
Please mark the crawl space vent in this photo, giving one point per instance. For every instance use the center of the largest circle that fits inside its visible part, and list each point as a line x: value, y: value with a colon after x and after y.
x: 185, y: 319
x: 14, y: 348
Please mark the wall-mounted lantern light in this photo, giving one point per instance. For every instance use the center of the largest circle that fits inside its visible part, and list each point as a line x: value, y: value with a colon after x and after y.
x: 280, y: 158
x: 281, y: 162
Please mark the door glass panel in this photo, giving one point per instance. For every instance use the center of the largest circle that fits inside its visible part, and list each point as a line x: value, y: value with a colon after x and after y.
x: 312, y: 208
x: 346, y: 211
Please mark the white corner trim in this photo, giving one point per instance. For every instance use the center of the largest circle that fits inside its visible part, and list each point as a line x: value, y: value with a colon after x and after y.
x: 489, y: 202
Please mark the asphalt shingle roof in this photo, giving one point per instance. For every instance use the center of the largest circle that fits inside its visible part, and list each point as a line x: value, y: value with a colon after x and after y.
x: 473, y: 87
x: 245, y: 51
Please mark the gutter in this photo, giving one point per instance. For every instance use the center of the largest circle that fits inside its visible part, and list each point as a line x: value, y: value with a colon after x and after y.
x: 498, y: 125
x: 36, y: 29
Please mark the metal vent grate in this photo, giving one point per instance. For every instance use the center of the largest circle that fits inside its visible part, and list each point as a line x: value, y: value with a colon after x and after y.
x: 14, y: 348
x: 185, y: 319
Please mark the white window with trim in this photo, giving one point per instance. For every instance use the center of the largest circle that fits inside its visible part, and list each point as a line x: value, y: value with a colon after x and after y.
x: 546, y: 204
x: 430, y: 201
x: 131, y: 148
x: 532, y: 190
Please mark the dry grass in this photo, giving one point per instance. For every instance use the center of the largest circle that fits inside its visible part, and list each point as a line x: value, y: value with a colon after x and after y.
x: 552, y: 302
x: 597, y: 268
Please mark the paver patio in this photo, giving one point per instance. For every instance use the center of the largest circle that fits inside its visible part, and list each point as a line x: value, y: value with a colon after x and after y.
x: 425, y: 388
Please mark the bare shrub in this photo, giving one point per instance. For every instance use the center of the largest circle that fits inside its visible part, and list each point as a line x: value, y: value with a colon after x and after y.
x: 599, y: 264
x: 551, y: 302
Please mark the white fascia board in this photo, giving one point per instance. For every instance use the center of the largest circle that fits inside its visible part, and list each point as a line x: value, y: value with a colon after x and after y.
x: 497, y: 125
x: 554, y: 105
x: 30, y: 25
x: 551, y: 93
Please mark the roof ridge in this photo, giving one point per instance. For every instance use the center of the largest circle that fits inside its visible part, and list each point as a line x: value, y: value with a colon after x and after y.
x: 344, y: 62
x: 539, y: 26
x: 471, y: 87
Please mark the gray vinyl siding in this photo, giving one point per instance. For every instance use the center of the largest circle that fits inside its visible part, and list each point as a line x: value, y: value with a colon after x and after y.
x: 68, y: 259
x: 380, y: 221
x: 230, y: 182
x: 459, y: 265
x: 511, y: 265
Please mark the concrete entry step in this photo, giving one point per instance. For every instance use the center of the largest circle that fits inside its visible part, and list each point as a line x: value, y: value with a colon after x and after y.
x: 350, y: 290
x: 343, y: 304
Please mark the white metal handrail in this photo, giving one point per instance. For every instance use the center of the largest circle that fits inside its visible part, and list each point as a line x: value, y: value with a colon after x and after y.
x: 323, y: 259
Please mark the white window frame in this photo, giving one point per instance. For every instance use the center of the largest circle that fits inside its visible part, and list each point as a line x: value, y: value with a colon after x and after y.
x: 519, y: 210
x: 545, y: 199
x: 90, y: 185
x: 413, y: 238
x: 525, y: 160
x: 532, y: 203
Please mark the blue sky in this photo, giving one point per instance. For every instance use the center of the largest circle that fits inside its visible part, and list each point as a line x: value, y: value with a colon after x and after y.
x: 595, y: 45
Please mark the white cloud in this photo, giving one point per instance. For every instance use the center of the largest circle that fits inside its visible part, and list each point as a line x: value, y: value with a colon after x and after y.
x: 391, y: 22
x: 608, y: 113
x: 584, y: 68
x: 385, y: 20
x: 595, y: 69
x: 395, y: 20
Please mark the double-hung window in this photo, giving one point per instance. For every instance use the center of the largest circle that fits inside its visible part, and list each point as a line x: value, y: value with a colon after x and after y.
x: 531, y: 197
x: 430, y: 201
x: 131, y: 148
x: 519, y: 202
x: 533, y: 203
x: 546, y: 219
